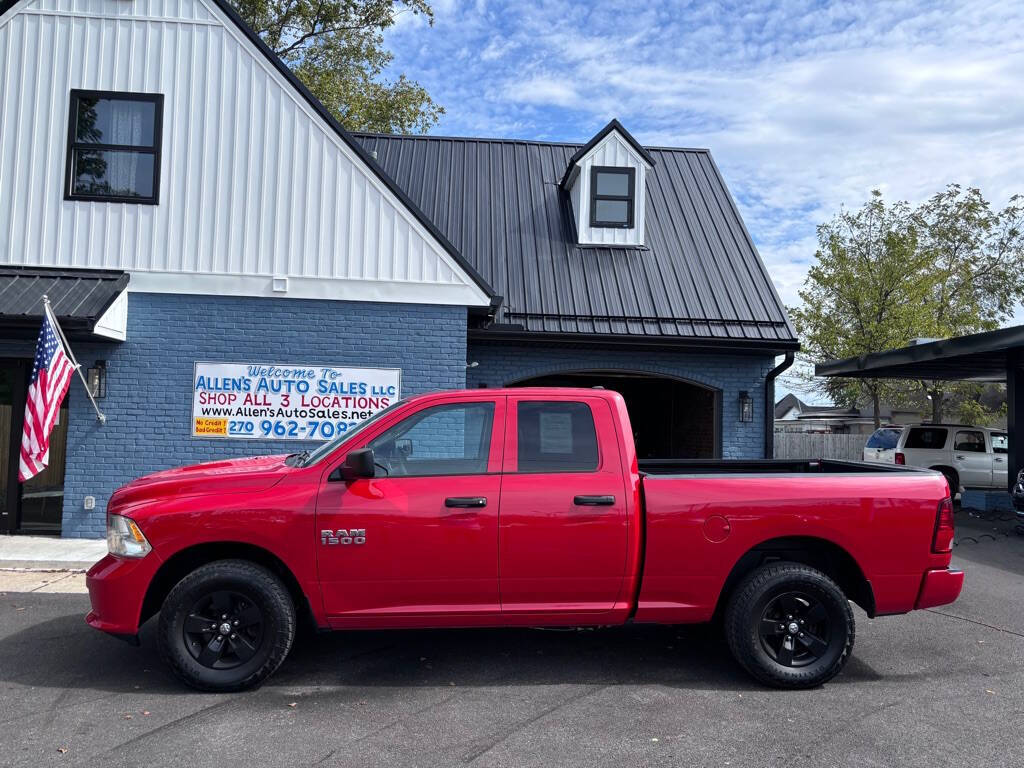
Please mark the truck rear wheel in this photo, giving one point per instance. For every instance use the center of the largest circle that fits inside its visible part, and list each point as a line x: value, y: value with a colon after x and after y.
x: 226, y: 626
x: 789, y: 625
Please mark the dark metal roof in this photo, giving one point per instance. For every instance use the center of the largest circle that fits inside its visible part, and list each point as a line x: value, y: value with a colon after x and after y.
x: 978, y: 357
x: 78, y: 298
x: 614, y: 125
x: 699, y: 279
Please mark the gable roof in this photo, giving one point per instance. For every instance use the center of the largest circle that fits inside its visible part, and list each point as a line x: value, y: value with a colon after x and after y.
x: 614, y: 125
x: 698, y: 281
x: 226, y: 8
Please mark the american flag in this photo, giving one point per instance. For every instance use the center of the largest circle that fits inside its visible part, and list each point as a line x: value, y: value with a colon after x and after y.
x: 51, y: 376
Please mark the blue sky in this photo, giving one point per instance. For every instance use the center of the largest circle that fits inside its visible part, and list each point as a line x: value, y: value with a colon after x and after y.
x: 805, y: 106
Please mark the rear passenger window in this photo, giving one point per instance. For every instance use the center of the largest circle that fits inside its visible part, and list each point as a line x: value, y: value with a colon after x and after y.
x: 926, y: 437
x: 969, y: 442
x: 1000, y: 443
x: 556, y: 437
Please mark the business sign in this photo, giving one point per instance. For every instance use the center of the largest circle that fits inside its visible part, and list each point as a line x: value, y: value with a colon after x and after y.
x: 287, y: 402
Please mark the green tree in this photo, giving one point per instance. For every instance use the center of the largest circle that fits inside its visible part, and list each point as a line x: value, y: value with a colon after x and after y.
x: 336, y: 48
x: 867, y: 291
x: 888, y: 273
x: 977, y: 273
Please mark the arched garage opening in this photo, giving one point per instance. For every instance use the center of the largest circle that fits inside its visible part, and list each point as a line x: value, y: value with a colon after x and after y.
x: 672, y: 418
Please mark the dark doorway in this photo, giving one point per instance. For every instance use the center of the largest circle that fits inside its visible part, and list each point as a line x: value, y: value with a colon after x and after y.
x: 35, y: 506
x: 671, y: 418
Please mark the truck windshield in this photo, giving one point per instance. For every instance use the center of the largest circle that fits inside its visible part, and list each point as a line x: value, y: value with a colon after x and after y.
x: 329, y: 447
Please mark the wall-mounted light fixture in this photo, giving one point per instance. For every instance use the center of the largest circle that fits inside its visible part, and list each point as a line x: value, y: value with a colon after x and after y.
x: 97, y: 378
x: 746, y: 406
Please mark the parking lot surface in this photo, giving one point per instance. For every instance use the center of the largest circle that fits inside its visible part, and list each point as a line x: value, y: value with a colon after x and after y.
x: 941, y: 687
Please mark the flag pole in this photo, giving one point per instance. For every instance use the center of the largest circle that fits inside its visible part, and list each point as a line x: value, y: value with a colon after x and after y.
x: 102, y: 419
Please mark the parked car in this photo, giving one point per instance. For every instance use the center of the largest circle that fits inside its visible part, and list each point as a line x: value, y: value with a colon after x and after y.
x: 969, y: 457
x: 881, y: 446
x: 519, y: 507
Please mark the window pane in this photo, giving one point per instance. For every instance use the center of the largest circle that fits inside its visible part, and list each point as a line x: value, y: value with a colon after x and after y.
x: 925, y: 437
x: 113, y: 174
x: 116, y: 121
x: 556, y: 437
x: 971, y: 442
x: 884, y: 439
x: 614, y: 211
x: 443, y: 440
x: 612, y: 184
x: 1000, y: 443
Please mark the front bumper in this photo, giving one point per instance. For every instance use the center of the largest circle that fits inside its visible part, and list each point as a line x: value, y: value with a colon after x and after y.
x: 117, y: 589
x: 940, y: 586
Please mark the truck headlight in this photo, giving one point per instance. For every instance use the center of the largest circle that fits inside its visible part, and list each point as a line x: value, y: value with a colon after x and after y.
x: 125, y: 538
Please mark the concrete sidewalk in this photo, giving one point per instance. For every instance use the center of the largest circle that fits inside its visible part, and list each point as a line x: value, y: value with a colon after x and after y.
x: 48, y: 553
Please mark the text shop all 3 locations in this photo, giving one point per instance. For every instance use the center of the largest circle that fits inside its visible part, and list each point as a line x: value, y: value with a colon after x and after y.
x: 287, y: 402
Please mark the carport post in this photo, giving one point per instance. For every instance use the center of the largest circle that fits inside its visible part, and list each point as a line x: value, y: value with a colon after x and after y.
x: 1014, y: 407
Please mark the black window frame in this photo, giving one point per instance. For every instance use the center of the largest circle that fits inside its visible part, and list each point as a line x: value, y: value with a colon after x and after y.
x: 157, y: 99
x: 630, y: 198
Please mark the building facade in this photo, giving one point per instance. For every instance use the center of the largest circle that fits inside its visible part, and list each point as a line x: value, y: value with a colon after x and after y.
x: 239, y: 275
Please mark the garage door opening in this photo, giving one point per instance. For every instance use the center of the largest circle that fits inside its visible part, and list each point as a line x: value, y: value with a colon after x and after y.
x: 671, y: 418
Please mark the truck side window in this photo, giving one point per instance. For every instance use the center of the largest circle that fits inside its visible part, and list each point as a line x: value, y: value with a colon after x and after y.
x: 971, y: 442
x: 1000, y: 443
x: 452, y: 439
x: 556, y: 437
x: 926, y: 437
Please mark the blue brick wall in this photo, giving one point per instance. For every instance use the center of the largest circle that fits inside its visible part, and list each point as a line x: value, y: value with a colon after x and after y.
x: 149, y: 386
x: 503, y: 364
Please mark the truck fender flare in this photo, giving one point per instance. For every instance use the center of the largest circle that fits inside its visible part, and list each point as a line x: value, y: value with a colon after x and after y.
x: 187, y: 559
x: 823, y: 554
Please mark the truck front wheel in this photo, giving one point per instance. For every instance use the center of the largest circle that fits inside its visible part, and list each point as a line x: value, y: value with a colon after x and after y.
x: 789, y: 625
x: 226, y: 626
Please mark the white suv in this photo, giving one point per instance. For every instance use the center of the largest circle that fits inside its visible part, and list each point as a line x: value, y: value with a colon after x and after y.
x: 969, y: 457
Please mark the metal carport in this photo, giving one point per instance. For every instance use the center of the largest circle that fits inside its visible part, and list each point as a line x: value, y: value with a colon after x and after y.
x: 990, y: 356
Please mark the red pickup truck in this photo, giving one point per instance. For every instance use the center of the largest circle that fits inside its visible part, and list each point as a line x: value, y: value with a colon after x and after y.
x: 519, y: 507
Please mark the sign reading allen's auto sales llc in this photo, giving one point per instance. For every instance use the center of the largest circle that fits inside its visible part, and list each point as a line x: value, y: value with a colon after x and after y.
x: 287, y: 402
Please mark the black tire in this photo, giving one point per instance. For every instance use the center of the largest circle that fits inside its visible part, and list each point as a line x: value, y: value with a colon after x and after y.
x: 952, y: 479
x: 226, y: 626
x: 764, y: 630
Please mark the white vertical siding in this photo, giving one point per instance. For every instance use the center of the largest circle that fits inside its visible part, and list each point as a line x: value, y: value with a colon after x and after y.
x: 613, y: 151
x: 253, y: 183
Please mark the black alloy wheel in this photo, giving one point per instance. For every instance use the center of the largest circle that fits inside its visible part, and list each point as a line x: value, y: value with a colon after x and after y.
x: 223, y: 630
x: 226, y: 626
x: 789, y: 625
x: 794, y: 629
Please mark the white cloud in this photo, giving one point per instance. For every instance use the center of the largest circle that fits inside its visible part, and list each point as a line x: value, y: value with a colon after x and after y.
x: 805, y: 108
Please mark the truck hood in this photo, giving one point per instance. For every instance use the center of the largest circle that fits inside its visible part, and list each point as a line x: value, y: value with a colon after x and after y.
x: 255, y: 473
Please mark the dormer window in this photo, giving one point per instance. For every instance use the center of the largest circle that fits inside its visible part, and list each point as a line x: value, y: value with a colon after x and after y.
x: 612, y: 196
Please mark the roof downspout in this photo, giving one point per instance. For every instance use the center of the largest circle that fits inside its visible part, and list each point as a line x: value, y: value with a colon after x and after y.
x: 769, y: 404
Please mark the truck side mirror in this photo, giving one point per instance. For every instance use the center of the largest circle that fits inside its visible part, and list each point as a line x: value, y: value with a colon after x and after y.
x: 358, y: 464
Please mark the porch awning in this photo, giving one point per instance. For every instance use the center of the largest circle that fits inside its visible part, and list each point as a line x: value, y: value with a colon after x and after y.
x: 90, y: 304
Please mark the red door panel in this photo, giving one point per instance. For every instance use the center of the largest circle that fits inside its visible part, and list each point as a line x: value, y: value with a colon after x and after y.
x: 431, y: 542
x: 563, y: 534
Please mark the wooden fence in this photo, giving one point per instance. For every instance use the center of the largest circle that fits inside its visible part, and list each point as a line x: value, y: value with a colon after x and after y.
x: 808, y: 445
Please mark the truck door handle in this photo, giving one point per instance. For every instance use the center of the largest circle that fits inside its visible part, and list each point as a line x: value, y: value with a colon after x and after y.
x: 593, y: 501
x: 959, y: 458
x: 998, y: 460
x: 466, y: 502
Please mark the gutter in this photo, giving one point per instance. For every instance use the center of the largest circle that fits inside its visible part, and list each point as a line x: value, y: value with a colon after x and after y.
x: 769, y: 404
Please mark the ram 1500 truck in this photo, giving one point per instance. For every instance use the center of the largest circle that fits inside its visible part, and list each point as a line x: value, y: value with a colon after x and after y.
x: 518, y: 507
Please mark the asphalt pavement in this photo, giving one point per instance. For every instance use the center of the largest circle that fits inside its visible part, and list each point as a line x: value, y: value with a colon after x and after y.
x: 942, y: 687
